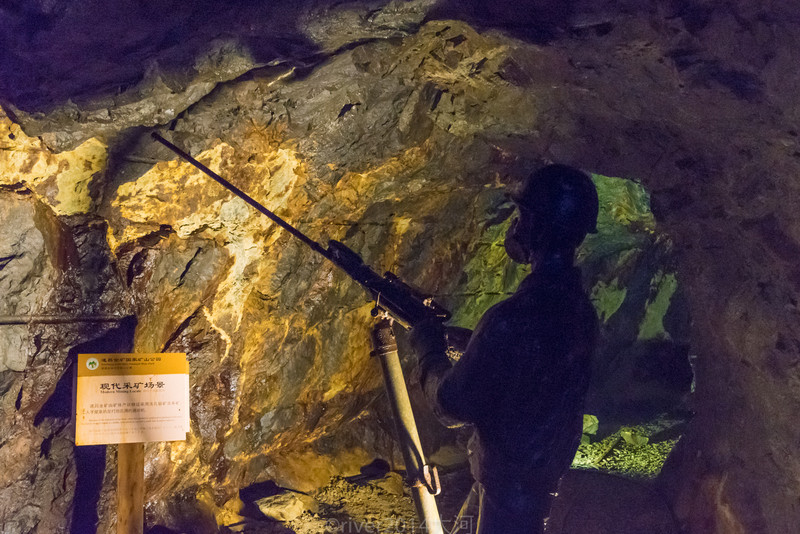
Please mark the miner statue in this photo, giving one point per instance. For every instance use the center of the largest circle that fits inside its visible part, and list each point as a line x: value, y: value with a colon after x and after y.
x: 523, y: 375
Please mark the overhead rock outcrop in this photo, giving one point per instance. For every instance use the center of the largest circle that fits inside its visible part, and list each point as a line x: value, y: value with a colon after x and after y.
x: 399, y: 132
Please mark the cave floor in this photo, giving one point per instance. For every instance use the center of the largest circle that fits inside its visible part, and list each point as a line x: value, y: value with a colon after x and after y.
x: 589, y: 502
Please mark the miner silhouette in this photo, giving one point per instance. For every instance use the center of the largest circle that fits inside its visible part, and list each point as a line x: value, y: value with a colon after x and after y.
x: 523, y: 375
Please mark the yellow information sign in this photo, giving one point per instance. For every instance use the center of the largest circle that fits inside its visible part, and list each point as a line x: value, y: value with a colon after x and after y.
x: 131, y: 398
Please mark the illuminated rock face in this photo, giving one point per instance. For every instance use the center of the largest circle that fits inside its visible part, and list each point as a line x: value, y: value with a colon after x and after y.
x: 403, y: 147
x: 55, y: 267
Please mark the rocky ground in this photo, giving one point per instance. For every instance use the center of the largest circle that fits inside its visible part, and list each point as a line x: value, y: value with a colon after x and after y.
x: 589, y: 501
x: 610, y: 490
x: 398, y: 128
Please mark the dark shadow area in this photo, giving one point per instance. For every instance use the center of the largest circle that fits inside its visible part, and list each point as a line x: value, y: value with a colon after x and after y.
x: 375, y: 469
x: 250, y: 494
x: 187, y: 514
x: 7, y: 380
x: 90, y: 464
x: 537, y: 21
x: 59, y: 404
x: 90, y: 461
x: 592, y: 502
x: 51, y: 53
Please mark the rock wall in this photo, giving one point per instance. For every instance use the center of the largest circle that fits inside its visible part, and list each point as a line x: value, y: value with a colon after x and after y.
x: 399, y: 136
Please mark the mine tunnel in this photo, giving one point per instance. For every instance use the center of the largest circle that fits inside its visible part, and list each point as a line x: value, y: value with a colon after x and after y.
x: 401, y: 129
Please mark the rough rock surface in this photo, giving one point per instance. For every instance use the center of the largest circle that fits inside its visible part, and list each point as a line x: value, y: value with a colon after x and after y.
x: 287, y: 506
x: 588, y: 502
x: 59, y: 269
x: 400, y: 136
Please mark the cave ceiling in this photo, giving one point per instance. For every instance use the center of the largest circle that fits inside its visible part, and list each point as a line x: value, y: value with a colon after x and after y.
x: 397, y: 128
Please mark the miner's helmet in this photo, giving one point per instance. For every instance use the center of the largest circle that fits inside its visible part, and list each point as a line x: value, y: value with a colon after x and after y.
x: 563, y: 203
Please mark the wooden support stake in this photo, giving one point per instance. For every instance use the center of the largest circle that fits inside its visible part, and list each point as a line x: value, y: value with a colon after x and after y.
x: 130, y: 488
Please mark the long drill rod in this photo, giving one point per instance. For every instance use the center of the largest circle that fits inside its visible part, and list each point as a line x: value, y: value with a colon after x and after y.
x: 244, y: 196
x: 406, y: 305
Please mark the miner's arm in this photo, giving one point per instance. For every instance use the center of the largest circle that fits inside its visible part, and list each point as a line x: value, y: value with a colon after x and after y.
x: 462, y: 392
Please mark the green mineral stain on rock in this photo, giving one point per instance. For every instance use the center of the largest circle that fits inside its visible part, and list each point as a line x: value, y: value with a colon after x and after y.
x: 491, y: 277
x: 623, y: 203
x: 652, y: 327
x: 607, y: 298
x: 624, y: 220
x: 590, y: 424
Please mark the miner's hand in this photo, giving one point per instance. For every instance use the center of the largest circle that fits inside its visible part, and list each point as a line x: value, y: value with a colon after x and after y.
x: 457, y: 338
x: 427, y: 337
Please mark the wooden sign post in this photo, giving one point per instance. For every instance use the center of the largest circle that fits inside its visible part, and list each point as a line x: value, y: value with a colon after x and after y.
x: 130, y: 399
x: 130, y: 488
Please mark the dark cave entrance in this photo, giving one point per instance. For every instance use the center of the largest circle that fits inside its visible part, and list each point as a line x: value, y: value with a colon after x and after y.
x: 637, y: 406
